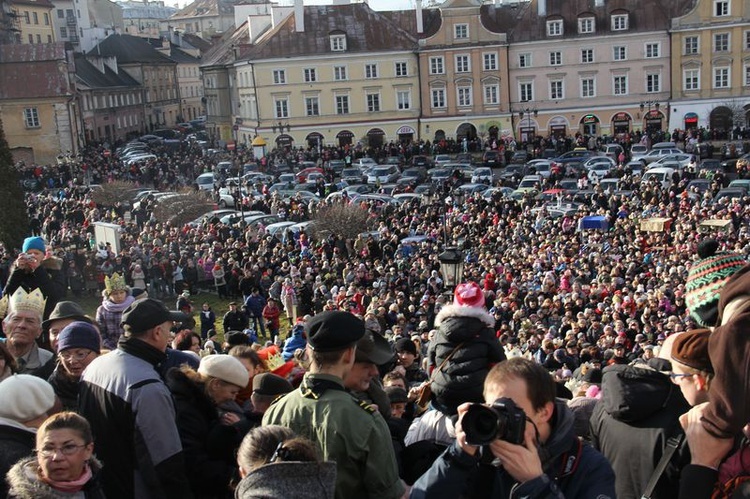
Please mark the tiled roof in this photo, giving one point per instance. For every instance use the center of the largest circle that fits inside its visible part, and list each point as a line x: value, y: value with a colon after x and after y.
x: 181, y: 57
x: 206, y: 8
x: 33, y: 71
x: 522, y: 22
x: 407, y: 21
x: 196, y: 41
x: 366, y: 31
x: 90, y: 76
x: 37, y: 3
x: 221, y: 52
x: 129, y: 49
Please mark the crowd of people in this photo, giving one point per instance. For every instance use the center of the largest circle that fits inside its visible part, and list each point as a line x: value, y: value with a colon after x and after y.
x: 577, y: 340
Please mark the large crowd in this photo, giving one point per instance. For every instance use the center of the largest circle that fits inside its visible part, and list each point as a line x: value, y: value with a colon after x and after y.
x: 592, y: 346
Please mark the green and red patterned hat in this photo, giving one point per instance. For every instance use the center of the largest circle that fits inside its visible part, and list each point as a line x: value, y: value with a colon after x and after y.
x: 705, y: 280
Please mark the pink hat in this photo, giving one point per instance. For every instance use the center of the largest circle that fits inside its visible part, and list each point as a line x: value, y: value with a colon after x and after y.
x: 469, y: 294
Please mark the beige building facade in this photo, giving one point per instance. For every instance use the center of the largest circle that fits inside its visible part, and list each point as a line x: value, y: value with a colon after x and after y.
x: 33, y: 21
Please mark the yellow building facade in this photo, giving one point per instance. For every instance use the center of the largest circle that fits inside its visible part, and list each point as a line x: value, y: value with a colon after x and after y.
x: 34, y: 21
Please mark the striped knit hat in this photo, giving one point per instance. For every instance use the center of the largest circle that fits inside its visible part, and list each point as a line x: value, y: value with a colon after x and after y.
x: 706, y: 279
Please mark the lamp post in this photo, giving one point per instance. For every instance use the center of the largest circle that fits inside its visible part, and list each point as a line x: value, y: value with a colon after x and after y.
x: 649, y: 104
x: 280, y: 127
x: 528, y: 112
x: 452, y: 266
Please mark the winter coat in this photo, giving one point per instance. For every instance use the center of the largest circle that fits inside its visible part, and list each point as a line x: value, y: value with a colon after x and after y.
x: 637, y: 414
x: 16, y: 442
x: 108, y: 316
x: 295, y: 341
x: 462, y: 378
x: 456, y: 474
x: 289, y: 480
x: 25, y: 484
x: 66, y: 388
x: 207, y: 444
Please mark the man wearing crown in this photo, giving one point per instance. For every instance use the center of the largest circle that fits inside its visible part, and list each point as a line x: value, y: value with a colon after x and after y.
x: 33, y: 269
x: 22, y: 327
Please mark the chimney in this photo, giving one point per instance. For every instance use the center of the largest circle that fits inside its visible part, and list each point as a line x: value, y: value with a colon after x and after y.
x: 542, y: 5
x: 420, y: 21
x: 299, y: 16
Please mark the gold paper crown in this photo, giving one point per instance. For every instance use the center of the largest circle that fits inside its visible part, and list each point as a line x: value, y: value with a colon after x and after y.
x: 274, y: 360
x: 31, y: 302
x: 115, y: 283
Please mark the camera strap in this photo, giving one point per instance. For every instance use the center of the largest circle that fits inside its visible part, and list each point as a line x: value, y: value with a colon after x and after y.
x: 570, y: 459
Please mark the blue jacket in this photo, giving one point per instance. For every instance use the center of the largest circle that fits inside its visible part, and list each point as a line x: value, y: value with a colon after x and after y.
x: 295, y: 341
x: 255, y: 304
x: 456, y: 474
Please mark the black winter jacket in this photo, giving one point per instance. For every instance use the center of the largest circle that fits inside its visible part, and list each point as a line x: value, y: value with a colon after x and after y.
x: 631, y: 424
x: 16, y: 443
x: 207, y: 444
x: 462, y: 378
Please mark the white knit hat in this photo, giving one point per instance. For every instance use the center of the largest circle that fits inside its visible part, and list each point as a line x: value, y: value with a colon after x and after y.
x: 225, y: 368
x: 25, y: 397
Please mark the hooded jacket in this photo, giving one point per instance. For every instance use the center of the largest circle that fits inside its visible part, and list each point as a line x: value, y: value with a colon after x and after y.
x: 24, y: 483
x: 289, y: 480
x: 461, y: 379
x: 637, y: 414
x: 458, y: 475
x: 728, y: 409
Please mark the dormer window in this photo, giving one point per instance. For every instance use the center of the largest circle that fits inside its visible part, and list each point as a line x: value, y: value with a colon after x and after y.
x: 461, y: 31
x: 555, y: 28
x: 338, y: 43
x: 586, y: 25
x: 619, y: 22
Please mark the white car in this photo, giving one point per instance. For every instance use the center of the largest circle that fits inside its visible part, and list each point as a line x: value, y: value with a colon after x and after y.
x: 383, y: 175
x: 441, y: 159
x: 599, y: 171
x: 599, y: 160
x: 205, y: 181
x: 482, y: 175
x: 365, y: 163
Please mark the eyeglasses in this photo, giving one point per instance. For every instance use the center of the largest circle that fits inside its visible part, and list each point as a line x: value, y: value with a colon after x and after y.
x: 67, y: 450
x: 77, y: 356
x: 675, y: 376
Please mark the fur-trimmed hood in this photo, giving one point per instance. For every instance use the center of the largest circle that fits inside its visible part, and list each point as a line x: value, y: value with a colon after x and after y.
x: 450, y: 311
x: 25, y: 484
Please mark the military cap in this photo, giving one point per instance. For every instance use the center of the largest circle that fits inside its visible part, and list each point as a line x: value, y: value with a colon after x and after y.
x: 333, y: 330
x: 373, y: 348
x: 397, y: 395
x: 271, y: 384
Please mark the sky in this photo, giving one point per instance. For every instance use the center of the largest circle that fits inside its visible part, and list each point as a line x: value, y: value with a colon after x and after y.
x: 374, y: 4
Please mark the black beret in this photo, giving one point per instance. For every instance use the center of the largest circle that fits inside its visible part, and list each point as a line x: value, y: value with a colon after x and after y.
x: 271, y: 384
x: 397, y: 395
x: 234, y: 338
x: 334, y: 330
x: 374, y: 349
x: 406, y: 345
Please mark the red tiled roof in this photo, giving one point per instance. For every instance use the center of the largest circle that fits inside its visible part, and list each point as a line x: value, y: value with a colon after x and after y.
x: 33, y: 71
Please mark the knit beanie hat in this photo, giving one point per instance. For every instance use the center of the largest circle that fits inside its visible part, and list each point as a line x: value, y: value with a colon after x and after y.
x: 79, y: 334
x: 36, y: 243
x: 706, y: 279
x: 25, y: 397
x: 405, y: 345
x: 468, y: 294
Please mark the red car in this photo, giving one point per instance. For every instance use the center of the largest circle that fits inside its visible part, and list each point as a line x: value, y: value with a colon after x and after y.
x: 302, y: 174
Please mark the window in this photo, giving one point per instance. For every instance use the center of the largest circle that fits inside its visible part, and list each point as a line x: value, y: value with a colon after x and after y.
x: 464, y: 96
x: 31, y: 38
x: 338, y: 43
x: 652, y: 50
x: 31, y: 117
x: 462, y: 64
x: 721, y: 77
x: 555, y: 58
x: 721, y: 8
x: 373, y: 103
x: 60, y: 14
x: 554, y: 28
x: 279, y: 76
x: 35, y: 17
x: 691, y: 79
x: 691, y: 45
x: 526, y: 92
x: 339, y: 73
x: 619, y: 53
x: 490, y: 61
x: 312, y: 106
x: 460, y: 31
x: 747, y: 76
x: 438, y: 97
x: 721, y: 42
x: 620, y: 85
x: 342, y: 104
x: 437, y: 65
x: 587, y: 56
x: 492, y: 94
x: 619, y: 22
x: 747, y: 40
x: 586, y: 25
x: 49, y: 38
x: 588, y: 88
x: 63, y: 32
x: 281, y: 108
x: 371, y: 70
x: 402, y: 69
x: 403, y: 100
x: 26, y: 17
x: 310, y: 75
x: 556, y: 90
x: 46, y: 19
x: 653, y: 83
x: 38, y: 38
x: 524, y: 60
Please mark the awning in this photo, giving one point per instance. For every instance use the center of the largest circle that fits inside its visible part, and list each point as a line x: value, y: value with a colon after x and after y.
x: 375, y: 131
x: 405, y: 130
x: 344, y: 134
x: 284, y: 140
x: 314, y: 136
x: 656, y: 224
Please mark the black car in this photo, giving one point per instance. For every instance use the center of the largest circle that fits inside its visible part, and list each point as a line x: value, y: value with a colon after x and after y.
x: 491, y: 159
x: 465, y: 158
x: 512, y: 173
x: 418, y: 173
x: 420, y: 160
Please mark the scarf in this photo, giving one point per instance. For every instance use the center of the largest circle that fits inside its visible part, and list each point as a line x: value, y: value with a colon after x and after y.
x: 113, y: 307
x: 139, y: 348
x: 72, y: 486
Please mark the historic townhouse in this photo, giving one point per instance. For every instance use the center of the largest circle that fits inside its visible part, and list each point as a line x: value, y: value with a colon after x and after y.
x: 711, y: 66
x: 33, y: 21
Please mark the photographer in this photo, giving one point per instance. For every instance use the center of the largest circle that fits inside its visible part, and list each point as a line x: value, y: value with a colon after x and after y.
x: 551, y: 461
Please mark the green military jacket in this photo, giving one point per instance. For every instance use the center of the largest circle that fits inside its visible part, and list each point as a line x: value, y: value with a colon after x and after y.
x: 348, y: 432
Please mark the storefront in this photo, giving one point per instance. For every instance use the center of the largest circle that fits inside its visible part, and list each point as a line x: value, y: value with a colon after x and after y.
x: 314, y: 139
x: 344, y: 138
x: 654, y: 121
x: 621, y: 123
x: 375, y: 137
x: 406, y: 134
x: 691, y: 121
x: 558, y: 127
x: 284, y: 140
x: 590, y: 125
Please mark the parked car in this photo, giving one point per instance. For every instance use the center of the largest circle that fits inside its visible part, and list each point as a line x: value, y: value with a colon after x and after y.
x: 353, y: 175
x: 383, y: 175
x: 205, y: 181
x: 418, y: 173
x: 491, y: 159
x: 420, y: 160
x: 482, y: 175
x: 365, y: 162
x: 441, y: 159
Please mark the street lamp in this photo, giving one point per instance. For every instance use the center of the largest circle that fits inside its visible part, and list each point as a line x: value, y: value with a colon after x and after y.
x: 280, y: 126
x: 452, y: 266
x: 650, y: 104
x: 528, y: 112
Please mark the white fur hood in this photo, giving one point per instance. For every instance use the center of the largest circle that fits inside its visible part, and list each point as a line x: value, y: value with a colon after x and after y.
x: 450, y: 311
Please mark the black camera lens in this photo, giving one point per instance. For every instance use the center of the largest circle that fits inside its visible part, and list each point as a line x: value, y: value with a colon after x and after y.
x: 480, y: 424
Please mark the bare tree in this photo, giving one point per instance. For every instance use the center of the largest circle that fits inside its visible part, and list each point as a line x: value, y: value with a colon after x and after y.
x: 114, y: 192
x: 343, y: 219
x: 183, y: 207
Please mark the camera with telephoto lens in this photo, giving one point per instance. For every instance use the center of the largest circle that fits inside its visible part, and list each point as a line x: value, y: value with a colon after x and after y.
x: 503, y: 420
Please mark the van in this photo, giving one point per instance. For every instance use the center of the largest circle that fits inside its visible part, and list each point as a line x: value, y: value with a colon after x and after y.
x: 662, y: 175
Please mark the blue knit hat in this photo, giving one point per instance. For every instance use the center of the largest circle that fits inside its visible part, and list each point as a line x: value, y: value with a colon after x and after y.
x: 36, y: 243
x: 79, y: 334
